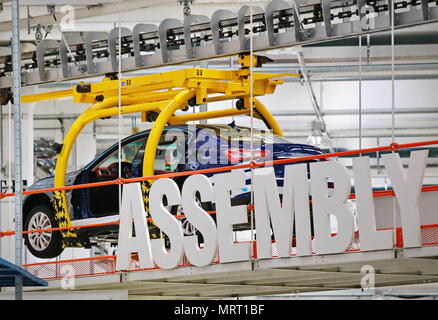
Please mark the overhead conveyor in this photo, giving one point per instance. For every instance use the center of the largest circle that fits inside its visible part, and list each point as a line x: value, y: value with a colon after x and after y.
x: 226, y: 33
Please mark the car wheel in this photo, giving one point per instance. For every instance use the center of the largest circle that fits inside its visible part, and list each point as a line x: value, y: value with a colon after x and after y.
x: 46, y: 244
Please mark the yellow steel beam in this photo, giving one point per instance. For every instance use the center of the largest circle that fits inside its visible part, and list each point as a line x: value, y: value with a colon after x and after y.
x: 139, y: 93
x: 182, y: 119
x: 219, y: 81
x: 90, y: 115
x: 267, y: 116
x: 47, y: 96
x: 158, y: 126
x: 59, y: 199
x: 99, y: 110
x: 228, y: 82
x: 258, y: 106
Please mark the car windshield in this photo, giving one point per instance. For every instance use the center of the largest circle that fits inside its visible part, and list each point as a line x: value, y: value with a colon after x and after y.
x: 128, y: 152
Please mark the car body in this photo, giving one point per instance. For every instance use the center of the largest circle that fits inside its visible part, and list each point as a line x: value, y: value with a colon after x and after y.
x: 201, y: 147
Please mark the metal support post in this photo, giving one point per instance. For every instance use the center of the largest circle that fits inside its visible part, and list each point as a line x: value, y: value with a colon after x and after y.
x: 16, y: 87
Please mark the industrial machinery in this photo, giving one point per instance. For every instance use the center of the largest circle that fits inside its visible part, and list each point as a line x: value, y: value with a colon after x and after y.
x: 225, y: 34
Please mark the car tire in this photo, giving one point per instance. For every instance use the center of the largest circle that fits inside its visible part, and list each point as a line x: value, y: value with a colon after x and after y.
x: 44, y: 245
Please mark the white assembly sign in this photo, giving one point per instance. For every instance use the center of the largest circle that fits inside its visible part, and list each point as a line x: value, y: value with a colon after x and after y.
x: 273, y: 215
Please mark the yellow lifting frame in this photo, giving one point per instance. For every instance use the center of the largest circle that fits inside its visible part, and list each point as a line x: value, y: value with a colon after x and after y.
x: 163, y: 93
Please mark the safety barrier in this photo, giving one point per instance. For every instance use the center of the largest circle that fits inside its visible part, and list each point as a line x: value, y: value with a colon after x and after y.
x: 107, y: 265
x: 429, y: 235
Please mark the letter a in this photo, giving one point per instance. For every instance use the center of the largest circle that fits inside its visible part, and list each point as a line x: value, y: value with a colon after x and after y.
x: 133, y: 211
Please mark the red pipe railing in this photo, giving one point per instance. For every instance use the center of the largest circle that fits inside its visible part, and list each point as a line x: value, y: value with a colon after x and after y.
x: 253, y: 164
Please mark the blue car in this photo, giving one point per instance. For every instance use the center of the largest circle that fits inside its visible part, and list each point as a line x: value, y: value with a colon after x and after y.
x: 181, y: 148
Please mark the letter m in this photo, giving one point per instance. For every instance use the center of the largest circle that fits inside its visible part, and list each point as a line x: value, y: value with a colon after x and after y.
x: 269, y: 210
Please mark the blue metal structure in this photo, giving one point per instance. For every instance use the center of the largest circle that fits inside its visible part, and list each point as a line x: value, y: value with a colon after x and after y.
x: 9, y: 271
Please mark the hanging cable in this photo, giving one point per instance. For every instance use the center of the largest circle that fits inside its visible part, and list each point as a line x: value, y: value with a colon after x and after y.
x: 16, y: 85
x: 119, y: 86
x: 232, y: 100
x: 10, y: 227
x: 360, y: 92
x: 392, y: 72
x: 251, y: 108
x: 392, y: 16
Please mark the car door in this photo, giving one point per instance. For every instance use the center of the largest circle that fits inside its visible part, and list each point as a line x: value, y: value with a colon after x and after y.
x: 104, y: 200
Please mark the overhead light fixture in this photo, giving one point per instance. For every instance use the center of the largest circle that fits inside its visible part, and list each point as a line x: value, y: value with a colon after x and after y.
x: 318, y: 136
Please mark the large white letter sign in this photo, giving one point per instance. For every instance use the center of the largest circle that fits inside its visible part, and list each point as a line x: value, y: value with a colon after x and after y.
x: 407, y: 188
x: 268, y: 208
x: 227, y: 216
x: 132, y: 210
x: 200, y: 219
x: 324, y: 206
x: 370, y: 239
x: 167, y: 223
